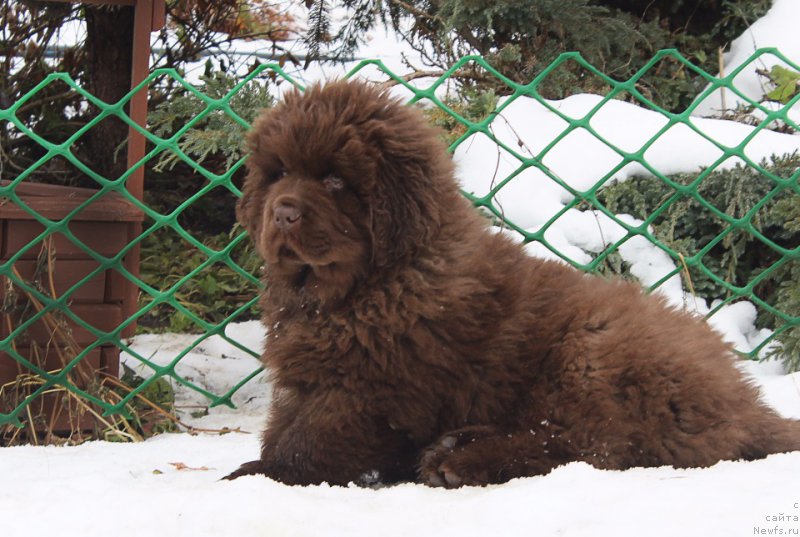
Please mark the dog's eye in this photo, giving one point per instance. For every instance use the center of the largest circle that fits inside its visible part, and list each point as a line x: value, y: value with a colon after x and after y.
x: 333, y: 183
x: 277, y: 175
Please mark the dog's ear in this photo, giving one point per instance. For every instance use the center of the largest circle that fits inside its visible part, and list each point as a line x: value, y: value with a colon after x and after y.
x: 250, y: 205
x: 414, y: 177
x: 398, y: 220
x: 261, y: 164
x: 407, y: 211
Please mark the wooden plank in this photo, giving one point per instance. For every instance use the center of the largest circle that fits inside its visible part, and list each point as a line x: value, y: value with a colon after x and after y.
x: 66, y: 273
x: 104, y: 317
x: 55, y: 202
x: 159, y: 15
x: 105, y: 239
x: 47, y: 357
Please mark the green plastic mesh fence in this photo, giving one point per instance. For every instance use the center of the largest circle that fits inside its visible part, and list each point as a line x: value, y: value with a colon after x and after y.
x: 79, y: 333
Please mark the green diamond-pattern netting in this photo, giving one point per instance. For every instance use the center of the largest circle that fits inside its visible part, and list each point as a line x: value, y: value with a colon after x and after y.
x: 169, y: 222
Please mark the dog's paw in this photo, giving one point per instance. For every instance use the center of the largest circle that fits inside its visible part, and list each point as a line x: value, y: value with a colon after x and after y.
x: 456, y: 460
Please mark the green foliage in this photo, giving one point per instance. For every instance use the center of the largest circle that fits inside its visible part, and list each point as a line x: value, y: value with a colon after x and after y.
x: 212, y: 295
x: 787, y: 84
x: 522, y: 37
x: 539, y: 30
x: 788, y: 293
x: 216, y: 143
x: 147, y: 420
x: 736, y: 17
x: 217, y: 136
x: 319, y: 24
x: 688, y: 227
x: 473, y: 105
x: 362, y: 15
x: 32, y: 47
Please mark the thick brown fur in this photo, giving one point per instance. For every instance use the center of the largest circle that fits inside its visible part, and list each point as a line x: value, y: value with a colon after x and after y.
x: 409, y: 341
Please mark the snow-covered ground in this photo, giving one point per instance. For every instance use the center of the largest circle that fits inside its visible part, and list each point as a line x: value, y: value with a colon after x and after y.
x: 136, y: 489
x: 169, y: 485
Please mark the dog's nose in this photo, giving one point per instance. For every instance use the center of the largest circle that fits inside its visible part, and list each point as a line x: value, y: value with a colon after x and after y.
x: 286, y: 216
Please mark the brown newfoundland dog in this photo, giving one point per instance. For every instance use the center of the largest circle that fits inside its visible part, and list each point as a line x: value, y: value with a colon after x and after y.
x: 409, y: 341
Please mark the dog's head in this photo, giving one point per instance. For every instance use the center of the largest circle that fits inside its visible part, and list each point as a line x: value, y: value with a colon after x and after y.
x: 342, y: 181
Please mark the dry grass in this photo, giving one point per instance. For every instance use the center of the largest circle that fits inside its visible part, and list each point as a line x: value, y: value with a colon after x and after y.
x: 58, y: 415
